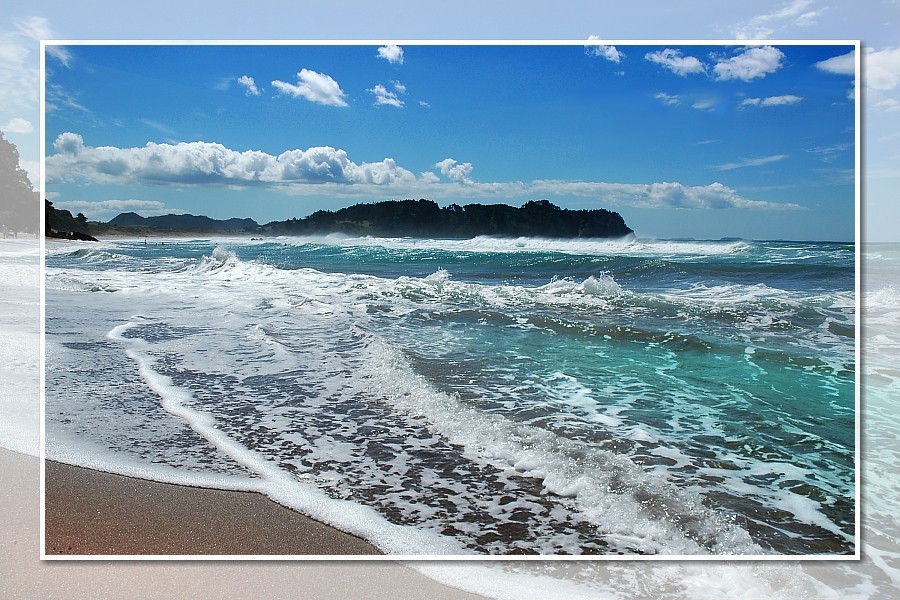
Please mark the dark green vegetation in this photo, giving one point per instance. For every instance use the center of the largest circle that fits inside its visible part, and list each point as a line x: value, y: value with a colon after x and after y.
x: 62, y: 225
x: 19, y: 203
x: 394, y: 218
x: 424, y: 218
x: 190, y: 223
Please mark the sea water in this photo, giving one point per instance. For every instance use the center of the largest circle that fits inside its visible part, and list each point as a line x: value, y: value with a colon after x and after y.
x: 475, y: 397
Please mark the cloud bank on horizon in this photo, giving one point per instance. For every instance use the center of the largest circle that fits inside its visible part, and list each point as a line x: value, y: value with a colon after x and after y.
x: 305, y: 172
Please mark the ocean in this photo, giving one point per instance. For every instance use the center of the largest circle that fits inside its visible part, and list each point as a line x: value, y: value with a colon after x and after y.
x: 481, y: 397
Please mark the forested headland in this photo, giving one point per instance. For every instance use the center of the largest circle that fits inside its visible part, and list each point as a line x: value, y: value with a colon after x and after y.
x: 425, y: 218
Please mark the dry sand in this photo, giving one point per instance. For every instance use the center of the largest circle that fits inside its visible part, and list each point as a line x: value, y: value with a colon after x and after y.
x: 23, y: 575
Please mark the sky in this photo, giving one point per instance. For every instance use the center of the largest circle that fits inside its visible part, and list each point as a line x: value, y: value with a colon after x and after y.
x: 686, y: 141
x: 740, y: 157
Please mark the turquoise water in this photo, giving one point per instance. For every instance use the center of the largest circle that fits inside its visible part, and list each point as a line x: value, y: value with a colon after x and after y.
x: 492, y: 396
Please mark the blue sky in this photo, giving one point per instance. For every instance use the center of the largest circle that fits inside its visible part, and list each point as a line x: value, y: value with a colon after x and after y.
x: 683, y: 140
x: 24, y: 24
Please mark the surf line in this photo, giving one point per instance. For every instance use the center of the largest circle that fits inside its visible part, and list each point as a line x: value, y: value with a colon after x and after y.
x: 279, y: 486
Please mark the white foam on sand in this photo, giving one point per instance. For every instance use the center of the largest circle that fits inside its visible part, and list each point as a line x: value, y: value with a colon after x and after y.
x: 20, y: 346
x: 274, y: 482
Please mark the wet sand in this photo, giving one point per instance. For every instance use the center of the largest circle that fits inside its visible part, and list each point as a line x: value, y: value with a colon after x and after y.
x: 89, y: 512
x: 24, y: 575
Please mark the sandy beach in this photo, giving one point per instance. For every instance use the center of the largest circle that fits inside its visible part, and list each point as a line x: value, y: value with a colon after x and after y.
x: 24, y: 575
x: 90, y: 512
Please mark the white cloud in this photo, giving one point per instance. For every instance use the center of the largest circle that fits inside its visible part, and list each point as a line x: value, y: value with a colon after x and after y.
x: 399, y: 87
x: 315, y: 87
x: 60, y: 53
x: 326, y: 170
x: 33, y: 168
x: 675, y: 62
x: 887, y: 104
x: 36, y: 28
x: 792, y: 14
x: 610, y: 53
x: 18, y: 68
x: 58, y: 98
x: 781, y: 100
x: 424, y: 104
x: 68, y: 143
x: 391, y: 53
x: 384, y: 96
x: 249, y: 85
x: 703, y: 104
x: 667, y: 99
x: 158, y: 126
x: 660, y: 195
x: 455, y: 171
x: 881, y: 77
x: 750, y: 162
x: 103, y: 210
x: 882, y: 69
x: 829, y: 153
x: 18, y: 125
x: 752, y: 63
x: 189, y: 163
x: 845, y: 64
x: 772, y: 100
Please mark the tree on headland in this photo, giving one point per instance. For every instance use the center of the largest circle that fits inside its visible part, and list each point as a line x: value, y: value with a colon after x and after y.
x: 19, y: 202
x: 416, y: 218
x: 61, y: 224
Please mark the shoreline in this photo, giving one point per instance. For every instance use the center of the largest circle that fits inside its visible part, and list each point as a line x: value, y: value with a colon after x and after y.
x: 90, y: 513
x: 26, y: 576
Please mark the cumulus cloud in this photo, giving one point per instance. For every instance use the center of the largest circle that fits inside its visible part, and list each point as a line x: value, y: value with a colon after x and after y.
x: 882, y: 69
x: 249, y: 85
x: 752, y: 63
x: 610, y: 53
x: 315, y: 87
x: 675, y: 62
x: 792, y: 14
x: 209, y: 163
x: 317, y: 169
x: 391, y: 53
x: 455, y: 171
x: 18, y: 125
x: 844, y: 64
x: 772, y: 100
x: 384, y: 96
x: 68, y: 143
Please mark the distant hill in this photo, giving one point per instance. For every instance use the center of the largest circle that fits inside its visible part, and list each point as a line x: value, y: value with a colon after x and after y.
x: 183, y: 223
x: 424, y: 218
x: 396, y: 218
